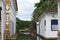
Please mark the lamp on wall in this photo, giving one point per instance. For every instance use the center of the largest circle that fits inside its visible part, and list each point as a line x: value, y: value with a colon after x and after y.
x: 37, y: 23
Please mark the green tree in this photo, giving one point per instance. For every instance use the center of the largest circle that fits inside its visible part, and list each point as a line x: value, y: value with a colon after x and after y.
x: 21, y: 24
x: 43, y: 6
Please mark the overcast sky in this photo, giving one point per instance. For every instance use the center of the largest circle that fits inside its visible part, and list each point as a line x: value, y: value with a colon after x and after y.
x: 25, y: 9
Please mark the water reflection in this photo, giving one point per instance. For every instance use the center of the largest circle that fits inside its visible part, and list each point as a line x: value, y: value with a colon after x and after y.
x: 38, y: 38
x: 27, y: 37
x: 23, y: 37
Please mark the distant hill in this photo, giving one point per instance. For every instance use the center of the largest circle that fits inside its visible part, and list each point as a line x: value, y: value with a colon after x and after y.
x: 21, y: 24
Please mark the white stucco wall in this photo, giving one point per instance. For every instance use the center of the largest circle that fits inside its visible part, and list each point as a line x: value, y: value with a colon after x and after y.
x: 49, y: 33
x: 45, y: 30
x: 59, y: 15
x: 3, y: 17
x: 41, y: 24
x: 2, y: 4
x: 13, y: 17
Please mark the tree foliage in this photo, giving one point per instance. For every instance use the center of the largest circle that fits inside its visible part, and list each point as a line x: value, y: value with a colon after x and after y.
x: 43, y: 6
x: 20, y: 24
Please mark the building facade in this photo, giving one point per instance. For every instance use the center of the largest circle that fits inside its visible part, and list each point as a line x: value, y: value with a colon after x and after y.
x: 8, y: 10
x: 47, y: 25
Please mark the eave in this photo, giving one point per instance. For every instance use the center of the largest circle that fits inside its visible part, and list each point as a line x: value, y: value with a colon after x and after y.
x: 15, y: 5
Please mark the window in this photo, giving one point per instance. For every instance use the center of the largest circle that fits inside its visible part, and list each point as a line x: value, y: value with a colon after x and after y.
x: 44, y: 22
x: 54, y: 25
x: 44, y: 25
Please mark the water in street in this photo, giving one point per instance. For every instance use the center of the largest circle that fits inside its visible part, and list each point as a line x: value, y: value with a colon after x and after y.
x: 23, y: 37
x: 27, y: 36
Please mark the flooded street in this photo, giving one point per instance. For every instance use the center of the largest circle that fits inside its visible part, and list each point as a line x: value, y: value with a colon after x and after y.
x: 23, y: 37
x: 26, y: 37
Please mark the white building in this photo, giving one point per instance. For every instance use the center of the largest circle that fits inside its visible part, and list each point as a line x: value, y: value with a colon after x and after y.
x: 12, y: 17
x: 47, y: 25
x: 58, y: 19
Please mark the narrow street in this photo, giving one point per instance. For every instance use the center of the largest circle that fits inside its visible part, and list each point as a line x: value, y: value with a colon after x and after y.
x: 29, y: 19
x: 26, y: 37
x: 23, y: 37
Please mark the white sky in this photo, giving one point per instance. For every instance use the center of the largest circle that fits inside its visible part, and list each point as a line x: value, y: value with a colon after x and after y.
x: 25, y: 9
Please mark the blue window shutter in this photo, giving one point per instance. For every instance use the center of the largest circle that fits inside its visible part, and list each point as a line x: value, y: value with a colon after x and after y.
x: 54, y: 22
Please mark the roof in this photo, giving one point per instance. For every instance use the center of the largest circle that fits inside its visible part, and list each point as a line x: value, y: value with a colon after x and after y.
x: 54, y: 10
x: 15, y: 5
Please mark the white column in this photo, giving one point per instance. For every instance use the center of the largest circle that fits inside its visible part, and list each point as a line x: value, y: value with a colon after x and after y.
x: 58, y: 20
x: 14, y: 23
x: 38, y: 30
x: 59, y: 16
x: 38, y: 27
